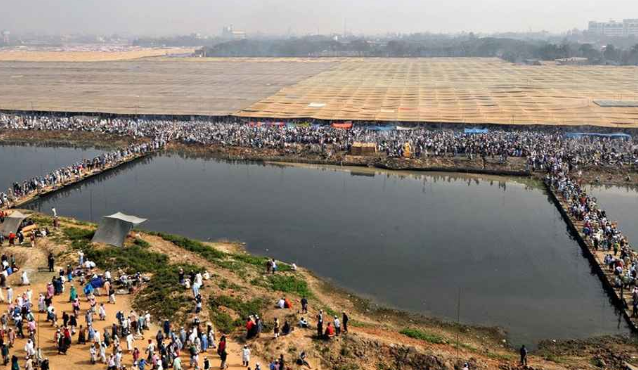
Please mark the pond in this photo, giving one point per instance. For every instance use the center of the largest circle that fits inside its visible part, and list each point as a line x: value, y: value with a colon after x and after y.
x: 414, y: 241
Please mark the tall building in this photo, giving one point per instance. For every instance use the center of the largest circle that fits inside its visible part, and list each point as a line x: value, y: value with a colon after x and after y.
x: 229, y: 33
x: 628, y: 27
x: 5, y: 37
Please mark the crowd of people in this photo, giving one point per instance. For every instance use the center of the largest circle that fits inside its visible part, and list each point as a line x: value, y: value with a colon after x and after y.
x: 547, y: 150
x: 532, y: 144
x: 73, y: 172
x: 601, y: 233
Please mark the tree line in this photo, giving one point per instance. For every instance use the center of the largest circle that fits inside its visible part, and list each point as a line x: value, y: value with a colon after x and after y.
x: 514, y: 50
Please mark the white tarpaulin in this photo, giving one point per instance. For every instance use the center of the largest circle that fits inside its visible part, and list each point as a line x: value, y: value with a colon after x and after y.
x: 113, y: 229
x: 12, y: 223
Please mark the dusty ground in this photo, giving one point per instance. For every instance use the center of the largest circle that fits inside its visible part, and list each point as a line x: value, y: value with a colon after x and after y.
x: 78, y: 55
x: 373, y: 342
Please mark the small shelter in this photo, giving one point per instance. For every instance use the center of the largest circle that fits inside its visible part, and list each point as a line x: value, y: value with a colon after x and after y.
x: 363, y: 149
x: 113, y: 229
x: 12, y: 223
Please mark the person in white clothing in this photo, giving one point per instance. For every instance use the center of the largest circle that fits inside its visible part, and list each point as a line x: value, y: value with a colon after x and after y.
x: 245, y: 356
x: 25, y: 278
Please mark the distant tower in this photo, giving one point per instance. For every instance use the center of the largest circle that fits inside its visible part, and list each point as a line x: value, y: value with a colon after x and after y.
x: 5, y: 37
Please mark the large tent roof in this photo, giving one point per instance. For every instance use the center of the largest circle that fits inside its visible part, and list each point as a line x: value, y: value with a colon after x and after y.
x: 127, y: 218
x: 12, y: 222
x: 113, y: 229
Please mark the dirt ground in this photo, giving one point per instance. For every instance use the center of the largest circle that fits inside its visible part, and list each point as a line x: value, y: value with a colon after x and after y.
x: 78, y: 357
x: 79, y: 55
x: 373, y: 341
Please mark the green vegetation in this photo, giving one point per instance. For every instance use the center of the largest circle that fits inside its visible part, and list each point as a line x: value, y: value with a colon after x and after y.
x: 422, y: 335
x: 242, y: 308
x: 224, y: 284
x: 223, y: 321
x: 141, y: 243
x: 131, y: 259
x: 163, y: 297
x: 289, y: 284
x: 209, y: 253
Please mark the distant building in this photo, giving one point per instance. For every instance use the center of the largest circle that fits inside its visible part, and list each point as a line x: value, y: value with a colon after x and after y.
x: 228, y: 33
x: 572, y: 61
x: 628, y: 27
x: 5, y: 37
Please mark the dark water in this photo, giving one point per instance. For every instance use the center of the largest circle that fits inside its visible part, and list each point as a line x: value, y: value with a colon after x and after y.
x: 18, y: 163
x: 410, y: 242
x: 621, y: 204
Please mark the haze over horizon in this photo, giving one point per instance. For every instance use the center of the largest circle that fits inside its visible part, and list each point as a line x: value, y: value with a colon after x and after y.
x: 167, y: 17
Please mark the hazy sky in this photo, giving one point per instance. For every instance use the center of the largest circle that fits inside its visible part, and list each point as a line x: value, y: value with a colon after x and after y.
x: 161, y: 17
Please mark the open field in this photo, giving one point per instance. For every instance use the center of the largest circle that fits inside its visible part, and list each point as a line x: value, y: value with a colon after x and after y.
x: 147, y: 86
x: 448, y: 90
x: 80, y: 55
x: 467, y: 90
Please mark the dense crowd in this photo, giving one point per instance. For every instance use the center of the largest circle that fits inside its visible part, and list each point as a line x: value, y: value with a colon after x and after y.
x: 116, y: 339
x: 534, y: 145
x: 73, y: 172
x: 601, y: 233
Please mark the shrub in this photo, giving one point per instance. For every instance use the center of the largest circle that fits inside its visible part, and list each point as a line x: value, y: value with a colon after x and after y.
x: 289, y: 284
x: 223, y: 322
x: 131, y: 259
x: 422, y: 335
x: 242, y: 308
x: 207, y: 252
x: 141, y: 243
x: 163, y: 296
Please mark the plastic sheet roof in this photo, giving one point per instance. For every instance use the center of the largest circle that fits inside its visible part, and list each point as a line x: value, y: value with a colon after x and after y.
x: 462, y: 90
x: 132, y: 219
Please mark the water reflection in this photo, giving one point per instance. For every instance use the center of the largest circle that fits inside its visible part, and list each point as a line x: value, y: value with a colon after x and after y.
x: 410, y: 240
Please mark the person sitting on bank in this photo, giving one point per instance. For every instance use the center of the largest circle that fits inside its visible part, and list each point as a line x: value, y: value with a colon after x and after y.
x: 330, y: 331
x: 303, y: 323
x: 286, y: 329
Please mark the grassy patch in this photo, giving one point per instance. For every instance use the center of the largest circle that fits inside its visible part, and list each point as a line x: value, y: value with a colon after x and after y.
x: 141, y: 243
x: 224, y: 284
x: 422, y: 335
x: 131, y: 259
x: 41, y: 220
x: 223, y: 322
x: 209, y: 253
x: 289, y: 284
x: 77, y: 234
x: 163, y: 296
x: 242, y: 308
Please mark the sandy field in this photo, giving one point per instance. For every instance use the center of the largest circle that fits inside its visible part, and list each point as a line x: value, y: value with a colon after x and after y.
x: 88, y: 55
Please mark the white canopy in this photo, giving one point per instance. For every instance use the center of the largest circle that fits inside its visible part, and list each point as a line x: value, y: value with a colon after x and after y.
x: 113, y: 229
x: 132, y: 219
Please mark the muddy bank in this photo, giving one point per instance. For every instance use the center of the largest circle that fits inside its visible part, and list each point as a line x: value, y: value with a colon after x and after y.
x: 600, y: 175
x: 491, y: 166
